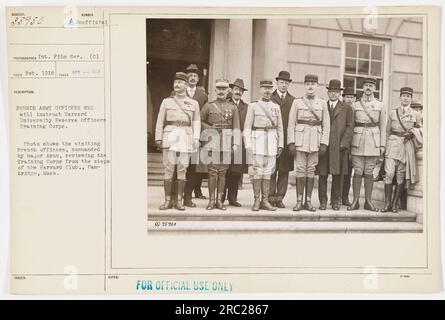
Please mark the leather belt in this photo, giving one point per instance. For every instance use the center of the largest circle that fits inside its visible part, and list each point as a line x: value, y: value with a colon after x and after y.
x: 399, y: 134
x: 222, y: 126
x: 310, y: 122
x: 365, y: 124
x: 265, y: 128
x: 178, y: 123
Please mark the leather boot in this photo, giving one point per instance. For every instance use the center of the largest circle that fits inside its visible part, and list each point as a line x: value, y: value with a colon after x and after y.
x: 256, y: 183
x: 265, y: 188
x: 356, y: 186
x: 309, y: 187
x: 395, y: 201
x: 388, y: 198
x: 369, y: 184
x: 403, y: 198
x: 179, y: 205
x: 220, y: 191
x: 323, y: 191
x: 301, y: 182
x: 168, y: 198
x: 212, y: 190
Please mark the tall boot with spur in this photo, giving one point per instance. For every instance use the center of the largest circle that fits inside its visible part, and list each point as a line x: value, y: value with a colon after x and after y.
x: 301, y: 182
x: 256, y: 184
x: 309, y: 187
x: 212, y: 189
x: 369, y: 184
x: 356, y: 186
x: 395, y: 201
x: 168, y: 198
x: 388, y: 198
x: 220, y: 191
x: 179, y: 205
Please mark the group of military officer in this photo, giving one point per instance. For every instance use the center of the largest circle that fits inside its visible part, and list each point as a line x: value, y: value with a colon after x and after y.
x: 279, y: 133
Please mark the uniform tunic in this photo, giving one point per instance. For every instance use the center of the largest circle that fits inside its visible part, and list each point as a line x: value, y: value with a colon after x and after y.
x: 263, y: 134
x: 307, y: 133
x: 395, y: 155
x: 221, y: 130
x: 177, y: 126
x: 367, y: 138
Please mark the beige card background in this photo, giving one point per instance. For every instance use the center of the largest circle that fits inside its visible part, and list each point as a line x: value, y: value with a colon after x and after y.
x: 96, y: 222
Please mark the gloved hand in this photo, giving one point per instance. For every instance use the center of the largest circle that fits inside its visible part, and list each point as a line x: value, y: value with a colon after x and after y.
x: 279, y: 151
x: 408, y: 136
x: 292, y: 149
x: 323, y: 149
x: 158, y: 144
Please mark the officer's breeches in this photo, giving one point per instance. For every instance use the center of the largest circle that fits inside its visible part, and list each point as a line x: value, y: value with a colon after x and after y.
x: 364, y: 165
x: 305, y: 163
x: 220, y: 163
x: 394, y: 167
x: 263, y: 166
x: 171, y: 159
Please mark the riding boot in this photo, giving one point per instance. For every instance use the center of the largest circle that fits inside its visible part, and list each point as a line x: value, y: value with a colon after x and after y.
x: 220, y: 191
x: 256, y: 183
x: 168, y: 198
x: 212, y: 188
x: 395, y: 201
x: 309, y: 187
x: 179, y: 205
x: 388, y: 198
x: 356, y: 186
x: 301, y: 182
x: 265, y: 188
x: 369, y: 183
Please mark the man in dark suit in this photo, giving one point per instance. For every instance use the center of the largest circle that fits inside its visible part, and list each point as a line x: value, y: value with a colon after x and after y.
x: 239, y: 164
x: 349, y: 98
x: 335, y: 160
x: 285, y: 163
x: 194, y: 179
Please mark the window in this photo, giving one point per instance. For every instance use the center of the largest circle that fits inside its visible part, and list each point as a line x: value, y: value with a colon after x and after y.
x: 363, y: 58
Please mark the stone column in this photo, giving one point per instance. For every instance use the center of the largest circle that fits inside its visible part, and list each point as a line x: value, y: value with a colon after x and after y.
x: 415, y: 195
x: 275, y: 54
x: 239, y: 55
x: 218, y: 53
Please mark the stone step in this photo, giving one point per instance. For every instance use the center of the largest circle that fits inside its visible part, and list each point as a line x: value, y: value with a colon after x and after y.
x: 200, y: 214
x: 284, y: 227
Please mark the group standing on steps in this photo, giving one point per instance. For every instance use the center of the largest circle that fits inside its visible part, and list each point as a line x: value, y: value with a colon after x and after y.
x: 279, y: 133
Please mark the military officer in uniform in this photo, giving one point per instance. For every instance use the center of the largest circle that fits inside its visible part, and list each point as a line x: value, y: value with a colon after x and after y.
x: 177, y: 133
x: 285, y: 163
x: 307, y: 137
x: 239, y: 165
x: 401, y: 122
x: 221, y: 133
x: 264, y: 141
x: 368, y: 142
x: 349, y: 98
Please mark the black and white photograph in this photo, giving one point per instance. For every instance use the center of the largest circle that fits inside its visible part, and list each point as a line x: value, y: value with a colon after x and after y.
x: 285, y: 125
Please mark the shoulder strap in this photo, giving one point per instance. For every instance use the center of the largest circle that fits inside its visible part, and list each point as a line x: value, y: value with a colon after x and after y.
x: 266, y: 113
x: 374, y: 123
x: 175, y: 99
x: 311, y: 109
x: 400, y: 120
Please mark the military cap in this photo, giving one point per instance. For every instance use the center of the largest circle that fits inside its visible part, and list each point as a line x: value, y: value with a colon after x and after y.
x: 406, y: 90
x: 283, y: 75
x: 192, y: 68
x: 370, y: 80
x: 311, y: 78
x: 349, y: 92
x: 416, y: 105
x: 181, y: 76
x: 222, y: 83
x: 238, y: 83
x: 266, y: 83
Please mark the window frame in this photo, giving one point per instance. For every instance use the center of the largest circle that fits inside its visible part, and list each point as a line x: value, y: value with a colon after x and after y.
x: 385, y: 90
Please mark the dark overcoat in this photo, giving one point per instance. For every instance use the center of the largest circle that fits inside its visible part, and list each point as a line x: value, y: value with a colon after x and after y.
x: 242, y: 111
x: 334, y: 161
x: 286, y: 161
